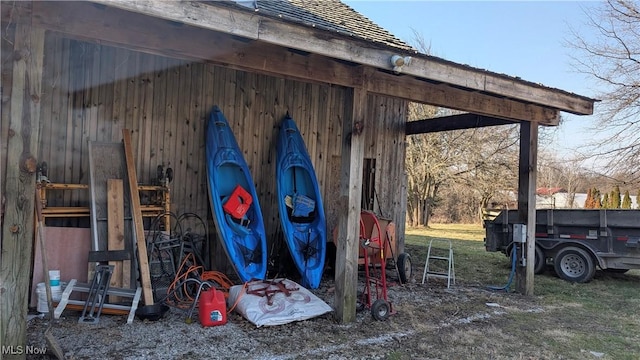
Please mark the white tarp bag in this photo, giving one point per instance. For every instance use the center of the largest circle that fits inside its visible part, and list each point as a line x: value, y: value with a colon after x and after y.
x: 275, y: 302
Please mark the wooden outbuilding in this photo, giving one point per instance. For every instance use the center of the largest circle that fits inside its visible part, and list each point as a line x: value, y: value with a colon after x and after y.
x: 74, y: 72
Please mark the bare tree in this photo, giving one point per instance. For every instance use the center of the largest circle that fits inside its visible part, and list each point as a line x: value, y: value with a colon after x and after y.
x: 489, y: 168
x: 426, y: 162
x: 457, y: 173
x: 612, y: 58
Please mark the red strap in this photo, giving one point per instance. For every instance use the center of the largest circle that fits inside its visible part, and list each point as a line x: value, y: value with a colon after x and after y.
x: 268, y: 292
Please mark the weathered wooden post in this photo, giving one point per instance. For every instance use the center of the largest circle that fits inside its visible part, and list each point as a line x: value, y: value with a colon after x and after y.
x: 527, y: 202
x: 22, y: 147
x: 346, y: 277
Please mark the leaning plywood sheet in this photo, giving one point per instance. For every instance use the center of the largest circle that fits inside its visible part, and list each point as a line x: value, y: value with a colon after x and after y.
x: 67, y: 250
x: 107, y: 161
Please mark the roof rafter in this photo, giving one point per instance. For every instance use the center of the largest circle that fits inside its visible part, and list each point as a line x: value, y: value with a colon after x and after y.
x: 453, y: 122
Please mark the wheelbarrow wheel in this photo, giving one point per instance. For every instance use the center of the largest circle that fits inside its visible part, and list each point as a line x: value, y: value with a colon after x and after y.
x: 404, y: 267
x: 380, y: 310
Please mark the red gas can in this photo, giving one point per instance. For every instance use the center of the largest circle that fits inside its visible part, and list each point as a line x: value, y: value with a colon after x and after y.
x: 212, y: 308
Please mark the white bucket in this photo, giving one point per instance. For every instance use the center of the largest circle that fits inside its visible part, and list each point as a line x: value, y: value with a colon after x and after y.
x: 41, y: 291
x: 56, y: 286
x: 54, y: 277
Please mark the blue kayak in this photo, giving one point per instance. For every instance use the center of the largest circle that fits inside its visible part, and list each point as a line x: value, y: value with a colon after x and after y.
x: 300, y: 205
x: 234, y: 201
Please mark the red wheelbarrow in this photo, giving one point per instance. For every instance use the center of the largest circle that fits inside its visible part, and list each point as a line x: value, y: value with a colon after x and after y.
x: 387, y: 229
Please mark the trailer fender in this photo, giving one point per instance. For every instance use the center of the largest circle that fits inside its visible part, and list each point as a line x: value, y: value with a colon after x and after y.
x: 552, y: 251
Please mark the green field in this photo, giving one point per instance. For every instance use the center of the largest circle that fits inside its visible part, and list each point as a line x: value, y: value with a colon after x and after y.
x: 601, y: 315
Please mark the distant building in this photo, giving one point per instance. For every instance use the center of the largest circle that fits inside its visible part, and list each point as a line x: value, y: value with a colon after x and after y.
x: 564, y: 200
x: 548, y: 198
x: 549, y: 191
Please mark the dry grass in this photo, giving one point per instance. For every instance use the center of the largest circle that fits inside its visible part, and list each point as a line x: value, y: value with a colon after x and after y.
x: 562, y: 320
x: 471, y: 232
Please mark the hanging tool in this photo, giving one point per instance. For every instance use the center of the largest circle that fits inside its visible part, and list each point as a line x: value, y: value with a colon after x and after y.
x: 163, y: 177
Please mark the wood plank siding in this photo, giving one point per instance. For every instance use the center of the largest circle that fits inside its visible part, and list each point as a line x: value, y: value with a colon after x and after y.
x: 93, y: 91
x: 6, y: 52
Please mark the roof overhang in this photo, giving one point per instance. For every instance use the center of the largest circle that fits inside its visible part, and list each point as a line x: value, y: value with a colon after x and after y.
x: 238, y: 38
x: 250, y: 24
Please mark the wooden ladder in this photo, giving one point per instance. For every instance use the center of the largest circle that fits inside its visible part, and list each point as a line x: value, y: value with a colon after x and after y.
x: 440, y: 254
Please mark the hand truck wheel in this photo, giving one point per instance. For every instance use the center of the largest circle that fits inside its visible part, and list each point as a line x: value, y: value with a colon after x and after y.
x: 380, y: 310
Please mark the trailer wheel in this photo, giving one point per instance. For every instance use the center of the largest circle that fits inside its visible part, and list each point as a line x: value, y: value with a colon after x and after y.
x: 404, y: 268
x: 574, y: 264
x: 380, y: 310
x: 540, y: 262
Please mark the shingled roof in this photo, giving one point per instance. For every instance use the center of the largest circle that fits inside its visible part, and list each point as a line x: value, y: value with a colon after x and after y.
x: 352, y: 37
x: 330, y: 15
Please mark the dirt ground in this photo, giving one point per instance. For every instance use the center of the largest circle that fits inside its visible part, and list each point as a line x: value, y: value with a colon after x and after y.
x: 430, y: 322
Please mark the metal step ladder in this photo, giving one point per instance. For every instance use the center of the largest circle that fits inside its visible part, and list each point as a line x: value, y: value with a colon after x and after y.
x: 440, y: 253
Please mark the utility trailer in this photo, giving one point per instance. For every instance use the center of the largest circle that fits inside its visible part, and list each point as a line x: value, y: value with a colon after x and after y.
x: 575, y: 241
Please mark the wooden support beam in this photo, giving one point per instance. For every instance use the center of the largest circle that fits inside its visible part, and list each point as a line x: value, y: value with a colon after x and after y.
x: 453, y: 122
x: 527, y: 203
x: 441, y: 94
x: 346, y: 274
x: 138, y: 225
x: 20, y: 187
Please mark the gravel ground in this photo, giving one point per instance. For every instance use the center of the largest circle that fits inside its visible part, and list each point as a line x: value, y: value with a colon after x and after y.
x: 425, y: 316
